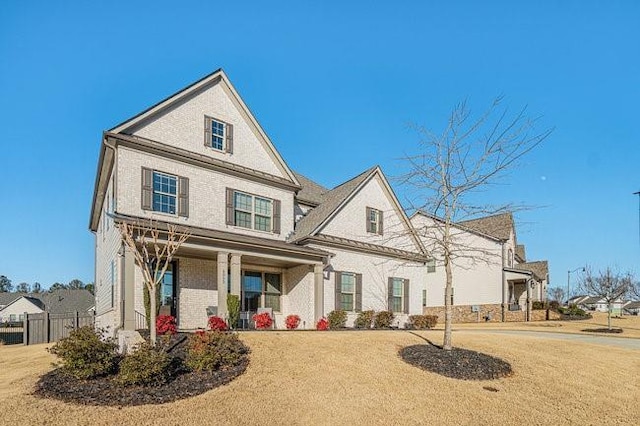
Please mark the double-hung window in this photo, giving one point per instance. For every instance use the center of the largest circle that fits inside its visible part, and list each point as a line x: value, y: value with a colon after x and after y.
x: 399, y: 295
x: 164, y: 192
x: 253, y: 212
x: 374, y: 221
x: 218, y: 134
x: 348, y: 291
x: 431, y: 266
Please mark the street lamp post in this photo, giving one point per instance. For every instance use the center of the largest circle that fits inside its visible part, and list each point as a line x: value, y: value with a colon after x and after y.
x: 569, y: 272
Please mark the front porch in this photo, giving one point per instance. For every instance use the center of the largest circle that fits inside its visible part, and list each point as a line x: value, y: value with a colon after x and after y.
x: 265, y: 274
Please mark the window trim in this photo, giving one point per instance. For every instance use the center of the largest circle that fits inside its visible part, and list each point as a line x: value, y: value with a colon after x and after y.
x: 353, y: 293
x: 272, y: 217
x: 393, y: 281
x: 227, y: 134
x: 374, y: 226
x: 162, y: 193
x: 263, y: 292
x: 148, y: 191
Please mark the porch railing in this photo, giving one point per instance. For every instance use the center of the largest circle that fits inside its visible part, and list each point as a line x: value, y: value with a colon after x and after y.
x: 141, y: 321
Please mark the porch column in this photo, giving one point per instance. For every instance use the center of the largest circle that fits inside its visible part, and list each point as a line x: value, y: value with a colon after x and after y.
x: 235, y: 273
x: 318, y: 292
x: 222, y: 273
x: 528, y: 284
x: 128, y: 286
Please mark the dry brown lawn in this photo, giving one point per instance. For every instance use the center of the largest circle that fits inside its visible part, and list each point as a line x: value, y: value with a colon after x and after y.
x: 351, y: 377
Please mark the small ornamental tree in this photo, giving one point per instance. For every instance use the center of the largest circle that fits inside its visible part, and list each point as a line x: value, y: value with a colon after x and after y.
x: 292, y: 322
x: 217, y: 324
x: 608, y: 285
x: 153, y: 249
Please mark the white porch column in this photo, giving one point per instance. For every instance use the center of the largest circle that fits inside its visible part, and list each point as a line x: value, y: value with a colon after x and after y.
x: 128, y: 286
x: 235, y: 273
x: 222, y: 274
x: 318, y: 292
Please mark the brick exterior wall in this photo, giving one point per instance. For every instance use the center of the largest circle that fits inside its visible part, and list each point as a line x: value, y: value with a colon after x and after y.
x: 488, y: 313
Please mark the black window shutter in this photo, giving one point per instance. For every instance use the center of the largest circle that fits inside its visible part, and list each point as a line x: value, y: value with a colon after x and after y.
x: 229, y: 137
x: 405, y: 296
x: 368, y: 219
x: 338, y: 289
x: 358, y: 292
x: 276, y: 216
x: 229, y: 219
x: 390, y: 295
x: 207, y: 131
x: 147, y: 188
x: 183, y: 196
x: 380, y: 222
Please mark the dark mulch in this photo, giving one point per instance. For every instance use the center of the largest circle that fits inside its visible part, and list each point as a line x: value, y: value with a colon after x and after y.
x: 457, y: 363
x: 603, y: 330
x: 564, y: 317
x: 105, y: 391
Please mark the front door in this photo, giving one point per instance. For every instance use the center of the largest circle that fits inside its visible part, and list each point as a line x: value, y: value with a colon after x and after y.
x: 168, y: 292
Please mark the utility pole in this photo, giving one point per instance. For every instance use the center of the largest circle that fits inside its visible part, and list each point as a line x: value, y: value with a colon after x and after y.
x: 638, y: 194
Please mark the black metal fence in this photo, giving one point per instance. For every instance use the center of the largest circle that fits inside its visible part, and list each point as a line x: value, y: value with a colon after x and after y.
x: 11, y: 333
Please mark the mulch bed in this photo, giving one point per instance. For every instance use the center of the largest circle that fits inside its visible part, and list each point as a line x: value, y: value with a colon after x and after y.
x: 463, y: 364
x: 105, y: 391
x: 603, y: 330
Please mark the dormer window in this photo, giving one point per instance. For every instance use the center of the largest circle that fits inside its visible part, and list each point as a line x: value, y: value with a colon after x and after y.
x: 218, y: 134
x: 374, y: 221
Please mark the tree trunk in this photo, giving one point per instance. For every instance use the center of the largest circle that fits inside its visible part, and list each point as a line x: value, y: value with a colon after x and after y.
x: 448, y: 308
x: 609, y: 316
x: 152, y: 316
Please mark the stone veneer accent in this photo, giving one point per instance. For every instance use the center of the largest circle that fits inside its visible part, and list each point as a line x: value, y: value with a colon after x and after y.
x: 487, y: 313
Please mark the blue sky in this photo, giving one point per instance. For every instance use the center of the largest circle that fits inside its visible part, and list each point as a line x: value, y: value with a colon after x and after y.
x: 334, y: 85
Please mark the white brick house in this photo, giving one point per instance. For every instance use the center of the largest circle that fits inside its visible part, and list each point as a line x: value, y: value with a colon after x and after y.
x: 273, y: 237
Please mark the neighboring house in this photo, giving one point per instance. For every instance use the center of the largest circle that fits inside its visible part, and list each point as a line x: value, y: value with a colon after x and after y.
x: 578, y: 300
x: 632, y: 307
x: 15, y: 305
x: 599, y: 304
x: 200, y: 159
x: 492, y: 280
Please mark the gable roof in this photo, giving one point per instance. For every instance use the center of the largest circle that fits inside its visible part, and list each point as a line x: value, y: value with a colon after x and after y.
x: 539, y: 268
x: 35, y: 302
x: 105, y: 161
x: 56, y: 302
x: 454, y: 224
x: 7, y: 298
x: 311, y: 193
x: 338, y: 197
x: 499, y: 226
x: 332, y: 200
x: 520, y: 253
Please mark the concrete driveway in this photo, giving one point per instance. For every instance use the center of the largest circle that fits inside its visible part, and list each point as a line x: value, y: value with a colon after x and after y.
x: 619, y: 342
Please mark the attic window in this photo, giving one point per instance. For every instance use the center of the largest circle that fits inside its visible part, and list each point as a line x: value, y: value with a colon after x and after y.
x: 218, y: 134
x: 374, y: 221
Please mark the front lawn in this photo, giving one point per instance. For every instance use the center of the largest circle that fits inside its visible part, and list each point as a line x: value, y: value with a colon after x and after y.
x: 359, y: 378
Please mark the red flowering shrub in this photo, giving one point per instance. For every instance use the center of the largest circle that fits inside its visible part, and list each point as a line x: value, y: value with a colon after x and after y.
x: 166, y: 324
x: 263, y: 320
x: 292, y: 322
x: 217, y: 323
x: 322, y: 324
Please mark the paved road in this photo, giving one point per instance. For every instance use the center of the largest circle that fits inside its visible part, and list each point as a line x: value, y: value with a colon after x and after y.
x: 619, y: 342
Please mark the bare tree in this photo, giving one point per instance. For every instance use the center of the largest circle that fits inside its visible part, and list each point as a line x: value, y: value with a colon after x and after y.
x: 557, y: 294
x: 609, y: 285
x: 153, y: 250
x: 452, y: 167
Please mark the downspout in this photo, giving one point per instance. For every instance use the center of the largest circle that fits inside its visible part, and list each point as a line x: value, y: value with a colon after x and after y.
x: 504, y: 281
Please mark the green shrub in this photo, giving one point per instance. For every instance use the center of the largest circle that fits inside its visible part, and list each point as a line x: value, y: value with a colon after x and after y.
x: 364, y: 320
x: 215, y: 350
x: 337, y: 319
x: 422, y: 322
x: 538, y: 305
x: 147, y: 366
x: 554, y: 305
x: 85, y: 354
x: 233, y: 307
x: 383, y: 319
x: 573, y: 311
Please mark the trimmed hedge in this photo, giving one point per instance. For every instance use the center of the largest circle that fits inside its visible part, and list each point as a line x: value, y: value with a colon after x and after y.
x: 337, y: 319
x: 383, y: 319
x: 146, y: 366
x: 423, y: 322
x: 364, y: 320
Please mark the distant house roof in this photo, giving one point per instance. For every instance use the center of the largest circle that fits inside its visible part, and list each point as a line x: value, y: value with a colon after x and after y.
x: 499, y: 226
x: 311, y: 192
x: 539, y: 268
x: 632, y: 305
x: 56, y: 302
